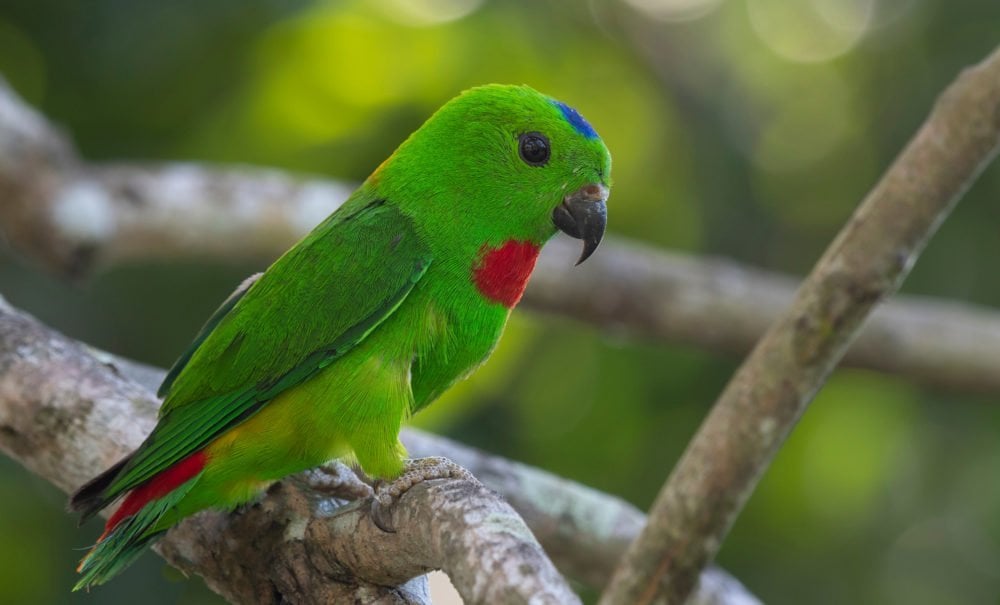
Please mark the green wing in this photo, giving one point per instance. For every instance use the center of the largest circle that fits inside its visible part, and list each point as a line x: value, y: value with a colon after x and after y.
x: 313, y: 305
x: 223, y: 310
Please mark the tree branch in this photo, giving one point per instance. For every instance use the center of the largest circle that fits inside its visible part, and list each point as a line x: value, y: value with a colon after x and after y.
x: 584, y: 531
x: 759, y: 407
x: 293, y: 547
x: 68, y: 411
x: 723, y: 306
x: 76, y: 217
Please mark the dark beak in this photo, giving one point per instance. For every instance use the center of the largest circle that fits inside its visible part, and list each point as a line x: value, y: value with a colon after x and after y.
x: 583, y: 214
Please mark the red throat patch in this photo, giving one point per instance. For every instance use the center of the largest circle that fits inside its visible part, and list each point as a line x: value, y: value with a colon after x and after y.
x: 157, y: 487
x: 502, y: 273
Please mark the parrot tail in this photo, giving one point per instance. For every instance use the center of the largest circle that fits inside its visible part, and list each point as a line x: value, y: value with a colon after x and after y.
x: 136, y: 523
x: 92, y: 496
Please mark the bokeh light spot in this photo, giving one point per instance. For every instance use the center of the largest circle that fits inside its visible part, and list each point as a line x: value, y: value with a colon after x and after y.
x: 810, y: 31
x: 675, y: 10
x: 422, y: 13
x: 806, y: 125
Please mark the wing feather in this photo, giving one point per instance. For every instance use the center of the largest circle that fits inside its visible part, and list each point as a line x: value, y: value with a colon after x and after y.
x: 312, y: 306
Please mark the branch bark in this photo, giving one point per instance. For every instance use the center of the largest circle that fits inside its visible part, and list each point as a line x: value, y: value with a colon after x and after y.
x: 68, y: 411
x: 866, y: 263
x: 293, y: 547
x: 76, y: 217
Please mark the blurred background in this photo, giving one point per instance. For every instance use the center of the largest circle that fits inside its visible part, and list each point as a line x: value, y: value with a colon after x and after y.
x: 743, y: 128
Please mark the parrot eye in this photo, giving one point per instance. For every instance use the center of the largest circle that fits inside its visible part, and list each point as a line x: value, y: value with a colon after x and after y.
x: 534, y: 148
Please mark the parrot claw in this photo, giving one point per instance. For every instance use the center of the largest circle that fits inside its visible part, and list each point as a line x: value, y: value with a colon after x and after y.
x: 378, y: 514
x: 414, y: 472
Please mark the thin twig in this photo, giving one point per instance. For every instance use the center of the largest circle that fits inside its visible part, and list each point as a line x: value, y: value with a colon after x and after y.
x: 866, y: 262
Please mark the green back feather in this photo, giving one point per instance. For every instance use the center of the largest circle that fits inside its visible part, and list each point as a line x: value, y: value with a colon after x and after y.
x: 312, y: 306
x: 207, y: 329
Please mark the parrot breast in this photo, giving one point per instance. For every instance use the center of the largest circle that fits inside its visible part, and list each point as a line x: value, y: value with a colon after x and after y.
x: 501, y: 274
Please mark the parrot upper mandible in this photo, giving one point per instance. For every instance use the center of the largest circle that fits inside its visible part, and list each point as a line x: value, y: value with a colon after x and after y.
x: 401, y: 292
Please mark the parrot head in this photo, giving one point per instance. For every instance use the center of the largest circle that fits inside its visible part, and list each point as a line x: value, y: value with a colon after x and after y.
x: 502, y: 163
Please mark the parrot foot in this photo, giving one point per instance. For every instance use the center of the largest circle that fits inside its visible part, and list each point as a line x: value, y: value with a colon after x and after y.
x: 336, y: 480
x: 414, y: 472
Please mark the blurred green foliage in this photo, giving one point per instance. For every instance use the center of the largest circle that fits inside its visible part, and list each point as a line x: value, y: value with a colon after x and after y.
x: 745, y: 128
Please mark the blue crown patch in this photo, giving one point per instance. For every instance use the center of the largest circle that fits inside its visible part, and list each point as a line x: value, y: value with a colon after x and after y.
x: 579, y: 124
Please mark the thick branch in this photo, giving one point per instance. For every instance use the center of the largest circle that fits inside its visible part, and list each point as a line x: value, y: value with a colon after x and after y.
x: 865, y: 263
x: 584, y: 531
x: 75, y: 217
x: 68, y: 411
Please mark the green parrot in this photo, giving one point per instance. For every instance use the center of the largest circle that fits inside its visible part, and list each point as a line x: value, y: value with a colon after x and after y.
x: 401, y: 292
